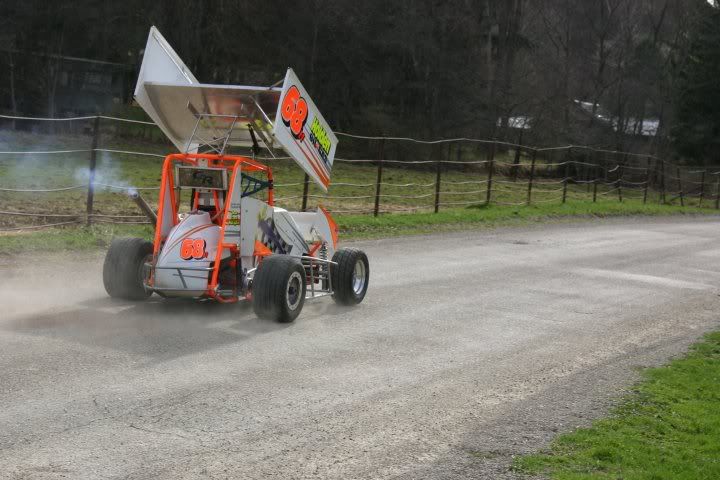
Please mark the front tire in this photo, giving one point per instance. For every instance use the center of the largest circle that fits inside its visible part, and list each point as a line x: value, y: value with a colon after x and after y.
x: 350, y: 277
x: 278, y: 289
x: 124, y: 268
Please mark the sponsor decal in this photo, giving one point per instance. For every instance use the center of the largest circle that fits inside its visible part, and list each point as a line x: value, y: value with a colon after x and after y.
x: 233, y: 218
x: 271, y: 238
x: 319, y: 139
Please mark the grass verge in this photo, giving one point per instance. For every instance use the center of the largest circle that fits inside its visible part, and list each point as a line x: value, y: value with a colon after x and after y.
x: 366, y: 226
x: 668, y: 428
x: 362, y: 226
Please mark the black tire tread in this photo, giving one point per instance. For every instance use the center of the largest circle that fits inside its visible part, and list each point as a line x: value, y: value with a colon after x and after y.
x: 342, y: 273
x: 269, y: 285
x: 120, y: 269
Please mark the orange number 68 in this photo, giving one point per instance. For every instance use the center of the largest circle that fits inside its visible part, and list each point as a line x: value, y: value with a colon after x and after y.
x: 294, y: 111
x: 192, y: 248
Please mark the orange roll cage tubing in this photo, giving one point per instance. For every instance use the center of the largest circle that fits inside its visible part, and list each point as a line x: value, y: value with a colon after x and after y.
x: 221, y: 245
x: 314, y: 248
x: 230, y: 162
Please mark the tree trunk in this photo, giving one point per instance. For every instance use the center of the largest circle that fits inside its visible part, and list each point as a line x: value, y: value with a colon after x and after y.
x: 313, y: 49
x: 509, y: 26
x: 602, y: 61
x: 13, y: 99
x: 566, y: 77
x: 54, y: 63
x: 490, y: 65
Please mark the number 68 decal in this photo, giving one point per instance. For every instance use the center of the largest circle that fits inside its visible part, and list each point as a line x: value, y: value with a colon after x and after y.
x: 294, y: 112
x: 193, y: 249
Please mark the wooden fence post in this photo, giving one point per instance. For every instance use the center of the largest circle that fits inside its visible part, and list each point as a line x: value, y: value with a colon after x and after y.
x: 532, y: 176
x: 647, y: 182
x: 621, y: 174
x: 91, y: 175
x: 702, y: 188
x: 381, y: 155
x: 306, y: 186
x: 587, y: 169
x: 717, y: 194
x: 680, y: 186
x: 595, y: 184
x: 516, y: 161
x: 491, y: 167
x: 606, y: 169
x: 438, y: 179
x: 566, y: 174
x: 596, y: 174
x: 662, y: 181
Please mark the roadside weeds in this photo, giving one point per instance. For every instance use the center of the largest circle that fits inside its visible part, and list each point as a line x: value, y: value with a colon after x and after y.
x: 667, y: 428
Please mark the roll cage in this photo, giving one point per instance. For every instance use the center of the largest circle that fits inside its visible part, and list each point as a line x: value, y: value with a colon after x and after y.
x: 250, y: 185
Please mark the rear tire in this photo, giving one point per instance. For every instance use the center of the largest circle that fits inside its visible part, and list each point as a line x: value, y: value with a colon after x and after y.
x: 278, y: 288
x: 350, y: 277
x: 124, y: 268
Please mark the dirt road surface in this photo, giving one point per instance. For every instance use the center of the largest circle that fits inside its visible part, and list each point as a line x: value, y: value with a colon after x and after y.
x: 470, y: 348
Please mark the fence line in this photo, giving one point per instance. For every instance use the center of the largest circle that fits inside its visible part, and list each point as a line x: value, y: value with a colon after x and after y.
x: 349, y: 135
x: 499, y: 179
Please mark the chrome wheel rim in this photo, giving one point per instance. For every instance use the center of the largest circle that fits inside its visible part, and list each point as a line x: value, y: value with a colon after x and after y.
x: 358, y: 278
x: 293, y: 292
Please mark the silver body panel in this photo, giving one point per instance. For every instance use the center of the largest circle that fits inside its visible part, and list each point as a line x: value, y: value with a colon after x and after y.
x: 226, y: 110
x: 178, y: 277
x: 161, y: 64
x: 283, y: 232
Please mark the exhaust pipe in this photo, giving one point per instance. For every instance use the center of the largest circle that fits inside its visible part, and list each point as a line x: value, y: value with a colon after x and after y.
x: 143, y: 205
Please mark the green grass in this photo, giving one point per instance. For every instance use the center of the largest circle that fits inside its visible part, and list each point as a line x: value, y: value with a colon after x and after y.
x: 70, y: 239
x: 669, y: 428
x: 362, y: 226
x: 365, y: 226
x: 463, y: 193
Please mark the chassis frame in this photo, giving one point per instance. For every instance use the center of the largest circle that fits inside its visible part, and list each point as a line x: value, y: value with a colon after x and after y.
x: 318, y: 270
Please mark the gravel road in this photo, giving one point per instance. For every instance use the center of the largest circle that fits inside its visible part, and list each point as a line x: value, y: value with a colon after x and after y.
x: 469, y: 348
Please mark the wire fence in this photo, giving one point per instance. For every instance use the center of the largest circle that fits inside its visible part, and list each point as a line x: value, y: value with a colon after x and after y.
x: 72, y: 171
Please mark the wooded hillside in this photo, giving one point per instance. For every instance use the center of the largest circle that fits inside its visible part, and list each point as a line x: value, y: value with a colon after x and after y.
x: 608, y: 72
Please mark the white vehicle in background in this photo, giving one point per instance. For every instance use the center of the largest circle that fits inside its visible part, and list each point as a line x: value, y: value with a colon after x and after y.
x: 232, y: 242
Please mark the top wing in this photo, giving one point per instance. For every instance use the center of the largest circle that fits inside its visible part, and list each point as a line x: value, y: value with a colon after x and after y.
x: 303, y: 132
x: 191, y: 113
x: 161, y: 64
x: 225, y: 113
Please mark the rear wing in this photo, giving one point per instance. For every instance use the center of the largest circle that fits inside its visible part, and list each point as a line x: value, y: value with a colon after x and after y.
x: 303, y: 132
x: 202, y: 117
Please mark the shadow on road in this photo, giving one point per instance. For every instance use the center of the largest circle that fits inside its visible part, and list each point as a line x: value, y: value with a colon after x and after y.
x: 158, y: 329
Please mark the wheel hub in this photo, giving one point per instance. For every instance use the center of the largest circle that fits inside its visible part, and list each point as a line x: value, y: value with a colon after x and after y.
x: 293, y: 291
x: 358, y: 279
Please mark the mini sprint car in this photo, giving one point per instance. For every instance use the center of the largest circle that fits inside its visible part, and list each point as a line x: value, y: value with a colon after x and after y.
x: 232, y: 243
